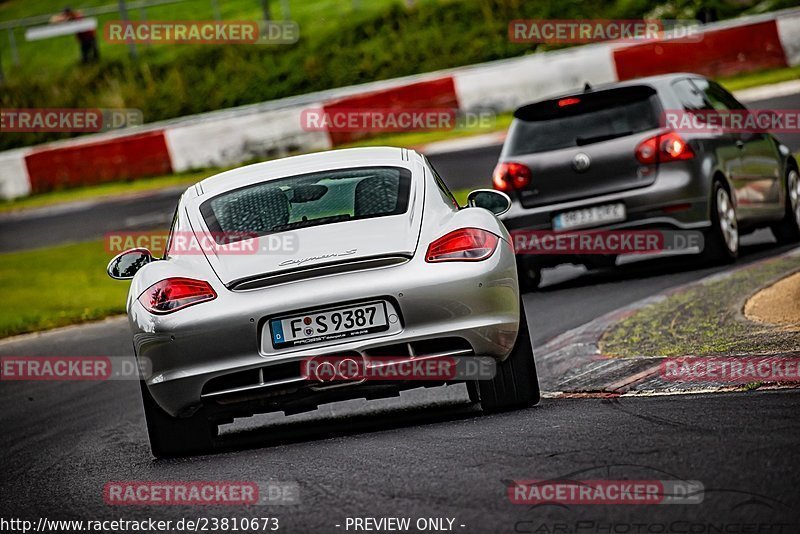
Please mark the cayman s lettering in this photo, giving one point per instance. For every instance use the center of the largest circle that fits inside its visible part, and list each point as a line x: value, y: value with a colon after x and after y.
x: 315, y: 258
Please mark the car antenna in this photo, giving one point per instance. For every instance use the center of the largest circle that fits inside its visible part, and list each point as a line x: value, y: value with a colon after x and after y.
x: 587, y: 87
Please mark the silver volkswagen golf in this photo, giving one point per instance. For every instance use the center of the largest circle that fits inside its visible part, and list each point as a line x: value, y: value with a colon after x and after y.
x: 359, y: 253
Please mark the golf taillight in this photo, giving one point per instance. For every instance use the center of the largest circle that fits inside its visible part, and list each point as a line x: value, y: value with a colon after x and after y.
x: 564, y: 102
x: 174, y: 294
x: 465, y: 244
x: 663, y: 148
x: 509, y: 175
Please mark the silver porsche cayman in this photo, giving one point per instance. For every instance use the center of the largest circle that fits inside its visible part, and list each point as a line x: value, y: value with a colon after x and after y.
x: 351, y: 262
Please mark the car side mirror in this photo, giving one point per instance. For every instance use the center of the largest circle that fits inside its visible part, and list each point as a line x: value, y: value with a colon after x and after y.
x: 495, y: 201
x: 126, y: 264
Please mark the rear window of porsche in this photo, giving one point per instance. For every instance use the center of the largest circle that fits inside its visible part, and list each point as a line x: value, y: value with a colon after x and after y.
x: 583, y: 119
x: 309, y: 200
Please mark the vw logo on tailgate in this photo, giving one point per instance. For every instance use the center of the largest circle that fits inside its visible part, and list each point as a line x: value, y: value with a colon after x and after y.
x: 581, y: 162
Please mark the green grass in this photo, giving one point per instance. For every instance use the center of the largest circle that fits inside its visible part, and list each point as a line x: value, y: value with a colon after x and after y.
x: 765, y: 77
x: 751, y: 386
x: 461, y: 196
x: 57, y: 286
x: 412, y: 139
x: 50, y: 56
x: 111, y: 189
x: 704, y: 320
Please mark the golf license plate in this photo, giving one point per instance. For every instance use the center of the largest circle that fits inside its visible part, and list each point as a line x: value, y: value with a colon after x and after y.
x: 588, y: 217
x: 337, y: 323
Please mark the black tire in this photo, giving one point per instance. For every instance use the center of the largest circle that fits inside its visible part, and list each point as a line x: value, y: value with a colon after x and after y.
x: 602, y: 262
x: 716, y: 249
x: 472, y: 391
x: 787, y: 231
x: 530, y: 276
x: 175, y: 436
x: 516, y: 384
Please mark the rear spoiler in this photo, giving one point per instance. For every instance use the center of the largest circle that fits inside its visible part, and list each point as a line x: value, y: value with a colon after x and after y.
x: 580, y: 103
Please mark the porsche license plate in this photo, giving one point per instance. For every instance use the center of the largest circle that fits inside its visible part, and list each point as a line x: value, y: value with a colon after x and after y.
x: 338, y: 323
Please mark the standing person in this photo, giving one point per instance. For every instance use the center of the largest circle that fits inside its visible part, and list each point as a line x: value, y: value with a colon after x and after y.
x: 86, y: 39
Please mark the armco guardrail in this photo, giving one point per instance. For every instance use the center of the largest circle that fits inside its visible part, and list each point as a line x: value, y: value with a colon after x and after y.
x: 231, y: 136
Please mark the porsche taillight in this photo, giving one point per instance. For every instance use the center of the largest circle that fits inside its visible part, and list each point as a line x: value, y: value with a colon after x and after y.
x: 465, y: 244
x: 174, y: 294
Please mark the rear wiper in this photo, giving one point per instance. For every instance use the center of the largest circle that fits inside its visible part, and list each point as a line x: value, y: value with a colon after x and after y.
x: 580, y: 141
x: 310, y: 222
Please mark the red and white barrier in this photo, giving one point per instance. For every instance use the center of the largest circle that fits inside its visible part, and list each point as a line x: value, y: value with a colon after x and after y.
x: 108, y: 160
x: 722, y: 52
x: 507, y: 84
x: 435, y: 93
x: 789, y: 34
x: 232, y: 140
x: 14, y: 180
x: 272, y: 129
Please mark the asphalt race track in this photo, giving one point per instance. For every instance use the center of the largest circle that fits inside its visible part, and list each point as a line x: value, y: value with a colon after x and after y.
x: 426, y: 454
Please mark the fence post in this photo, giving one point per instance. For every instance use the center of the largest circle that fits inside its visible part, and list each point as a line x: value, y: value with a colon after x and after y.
x: 143, y: 18
x: 265, y: 8
x: 123, y: 15
x: 13, y: 44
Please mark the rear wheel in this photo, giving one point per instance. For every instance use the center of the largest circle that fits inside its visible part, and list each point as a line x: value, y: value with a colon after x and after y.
x: 472, y: 390
x: 722, y: 240
x: 601, y: 262
x: 516, y: 384
x: 788, y: 230
x: 175, y: 436
x: 530, y: 276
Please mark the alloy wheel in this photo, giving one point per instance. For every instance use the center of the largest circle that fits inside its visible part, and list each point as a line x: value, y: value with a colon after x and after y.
x: 727, y: 220
x: 793, y: 189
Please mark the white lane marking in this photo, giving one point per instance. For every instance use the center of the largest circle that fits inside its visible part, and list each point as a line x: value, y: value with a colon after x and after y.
x: 145, y: 219
x: 764, y: 92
